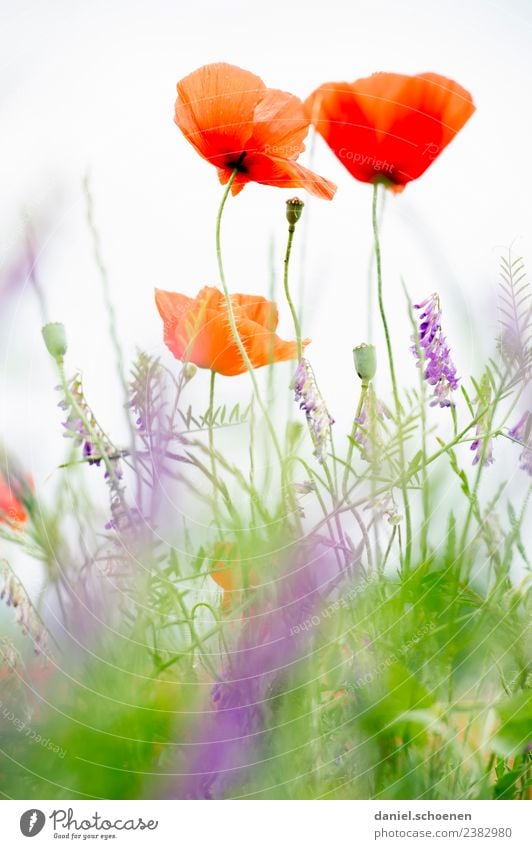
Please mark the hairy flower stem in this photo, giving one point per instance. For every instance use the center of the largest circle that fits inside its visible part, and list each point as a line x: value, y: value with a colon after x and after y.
x: 363, y: 393
x: 211, y: 435
x: 473, y: 501
x: 111, y: 313
x: 425, y: 489
x: 398, y: 408
x: 236, y: 334
x: 297, y: 326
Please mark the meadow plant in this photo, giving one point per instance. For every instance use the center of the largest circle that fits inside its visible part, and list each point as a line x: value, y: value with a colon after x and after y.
x: 238, y: 608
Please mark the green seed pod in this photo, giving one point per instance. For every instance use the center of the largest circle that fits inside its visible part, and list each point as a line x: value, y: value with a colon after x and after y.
x: 54, y: 336
x: 294, y: 210
x: 365, y: 357
x: 189, y: 370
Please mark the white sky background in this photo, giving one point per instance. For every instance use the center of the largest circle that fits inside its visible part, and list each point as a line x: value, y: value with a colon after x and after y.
x: 92, y: 85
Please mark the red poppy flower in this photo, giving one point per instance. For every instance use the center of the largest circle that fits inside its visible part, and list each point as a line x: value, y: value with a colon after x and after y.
x: 234, y: 121
x: 197, y: 330
x: 11, y: 509
x: 389, y: 127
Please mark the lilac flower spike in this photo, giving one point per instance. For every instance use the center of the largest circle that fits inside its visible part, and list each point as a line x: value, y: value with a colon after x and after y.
x: 522, y: 432
x: 433, y: 353
x: 311, y: 401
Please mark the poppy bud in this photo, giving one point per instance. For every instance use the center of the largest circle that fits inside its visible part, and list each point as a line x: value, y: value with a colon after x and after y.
x: 189, y: 370
x: 54, y: 336
x: 294, y: 210
x: 365, y: 357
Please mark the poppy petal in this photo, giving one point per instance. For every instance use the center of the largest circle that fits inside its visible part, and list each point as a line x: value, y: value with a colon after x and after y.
x: 198, y: 330
x: 11, y: 509
x: 283, y: 173
x: 280, y: 125
x: 389, y: 126
x: 263, y: 347
x: 215, y: 108
x: 257, y: 309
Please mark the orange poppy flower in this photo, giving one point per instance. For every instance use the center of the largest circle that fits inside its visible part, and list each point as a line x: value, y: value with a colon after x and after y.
x: 234, y: 121
x: 389, y: 127
x: 228, y: 574
x: 197, y: 330
x: 11, y: 509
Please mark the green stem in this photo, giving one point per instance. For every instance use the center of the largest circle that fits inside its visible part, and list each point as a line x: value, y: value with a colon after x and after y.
x: 297, y: 326
x: 425, y: 490
x: 363, y: 393
x: 236, y: 334
x: 473, y: 502
x: 111, y: 313
x: 398, y: 408
x: 211, y: 434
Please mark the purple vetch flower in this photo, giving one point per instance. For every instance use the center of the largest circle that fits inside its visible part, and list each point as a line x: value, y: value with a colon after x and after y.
x: 223, y: 750
x: 385, y: 507
x: 88, y: 453
x: 480, y: 446
x: 522, y: 432
x: 433, y: 353
x: 310, y: 400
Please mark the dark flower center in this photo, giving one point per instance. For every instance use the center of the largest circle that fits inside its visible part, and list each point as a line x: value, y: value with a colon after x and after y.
x: 238, y: 163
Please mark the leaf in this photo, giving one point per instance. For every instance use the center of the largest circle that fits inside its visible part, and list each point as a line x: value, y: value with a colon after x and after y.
x: 506, y: 786
x: 451, y: 538
x: 515, y: 729
x: 468, y: 401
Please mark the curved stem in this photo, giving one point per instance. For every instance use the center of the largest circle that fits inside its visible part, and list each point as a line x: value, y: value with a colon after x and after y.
x: 297, y: 326
x: 398, y: 408
x: 234, y: 329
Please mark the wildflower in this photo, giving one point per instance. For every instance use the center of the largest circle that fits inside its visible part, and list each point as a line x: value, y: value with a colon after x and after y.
x: 477, y: 447
x: 228, y: 573
x: 233, y: 121
x: 76, y: 430
x: 522, y: 432
x: 440, y: 371
x: 197, y: 330
x: 385, y: 508
x: 272, y: 647
x: 389, y: 127
x: 12, y: 510
x: 304, y: 487
x: 15, y: 596
x: 367, y: 434
x: 311, y: 401
x: 9, y: 655
x: 483, y: 444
